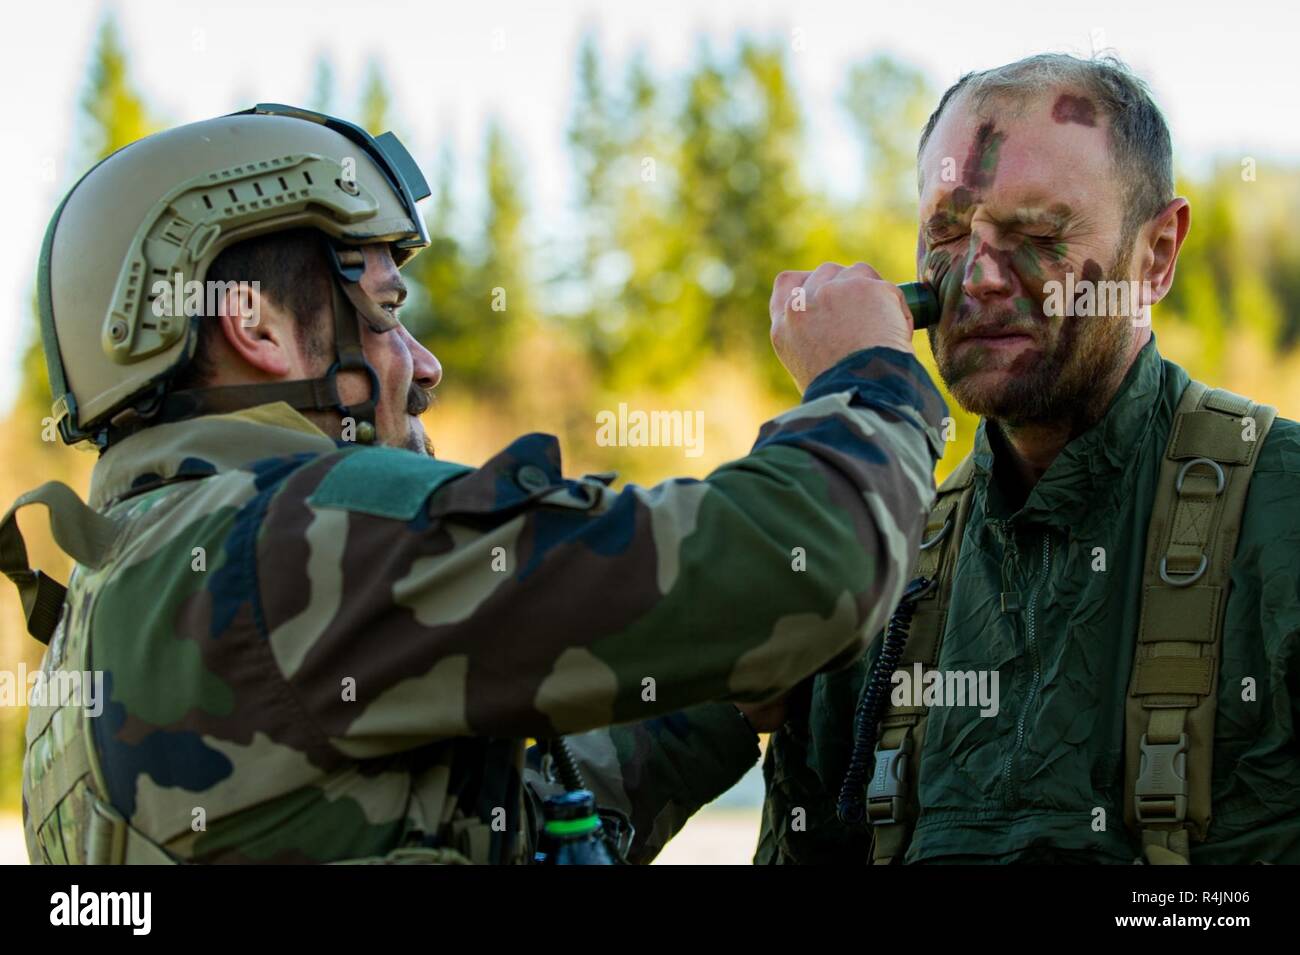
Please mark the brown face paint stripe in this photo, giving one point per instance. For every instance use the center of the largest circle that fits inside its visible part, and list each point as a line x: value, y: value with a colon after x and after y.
x: 1074, y: 109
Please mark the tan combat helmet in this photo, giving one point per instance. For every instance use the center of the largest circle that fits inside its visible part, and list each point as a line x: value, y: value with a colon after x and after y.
x: 169, y: 204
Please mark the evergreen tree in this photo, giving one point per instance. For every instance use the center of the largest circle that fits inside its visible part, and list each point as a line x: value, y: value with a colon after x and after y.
x: 322, y: 89
x: 376, y: 101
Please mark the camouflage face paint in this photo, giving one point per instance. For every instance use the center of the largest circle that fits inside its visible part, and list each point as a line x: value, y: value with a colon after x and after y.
x: 1032, y: 259
x: 978, y: 172
x: 938, y: 271
x: 1025, y: 260
x: 982, y: 160
x: 1074, y: 109
x: 943, y: 219
x: 1058, y: 377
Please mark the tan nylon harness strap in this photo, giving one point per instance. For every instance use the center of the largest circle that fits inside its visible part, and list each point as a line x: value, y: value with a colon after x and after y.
x: 111, y: 840
x: 82, y: 533
x: 1170, y: 709
x: 891, y: 794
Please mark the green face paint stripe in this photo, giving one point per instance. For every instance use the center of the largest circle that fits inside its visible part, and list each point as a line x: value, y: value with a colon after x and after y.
x: 989, y: 158
x: 1025, y: 258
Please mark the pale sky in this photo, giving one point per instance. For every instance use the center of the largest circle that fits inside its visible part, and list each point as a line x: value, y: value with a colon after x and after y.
x: 1226, y: 76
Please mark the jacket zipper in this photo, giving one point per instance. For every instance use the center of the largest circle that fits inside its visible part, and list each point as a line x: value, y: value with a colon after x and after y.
x: 1031, y: 644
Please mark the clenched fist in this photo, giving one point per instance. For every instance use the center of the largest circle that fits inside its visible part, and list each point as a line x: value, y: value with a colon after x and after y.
x: 820, y: 317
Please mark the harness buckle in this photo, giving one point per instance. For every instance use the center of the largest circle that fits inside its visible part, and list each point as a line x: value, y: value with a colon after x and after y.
x: 1160, y: 795
x: 889, y: 789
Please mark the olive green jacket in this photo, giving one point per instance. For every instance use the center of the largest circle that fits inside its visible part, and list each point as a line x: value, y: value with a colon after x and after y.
x: 1024, y: 785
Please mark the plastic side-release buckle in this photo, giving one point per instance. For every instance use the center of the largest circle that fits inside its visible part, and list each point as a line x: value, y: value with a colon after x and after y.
x: 105, y: 834
x: 888, y: 791
x: 1160, y: 795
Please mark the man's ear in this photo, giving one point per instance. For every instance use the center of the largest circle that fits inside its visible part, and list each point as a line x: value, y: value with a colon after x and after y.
x: 1164, y: 236
x: 260, y: 333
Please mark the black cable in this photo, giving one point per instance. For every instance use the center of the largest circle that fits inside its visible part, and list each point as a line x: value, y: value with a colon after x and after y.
x: 852, y: 808
x: 566, y: 768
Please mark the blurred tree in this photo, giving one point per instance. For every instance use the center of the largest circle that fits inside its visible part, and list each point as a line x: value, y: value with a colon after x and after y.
x: 774, y: 209
x: 592, y: 146
x: 888, y: 103
x: 629, y: 244
x: 116, y: 112
x: 440, y: 312
x: 742, y: 198
x: 595, y: 149
x: 1283, y: 274
x: 726, y: 188
x: 1201, y: 295
x: 473, y: 301
x: 1267, y: 204
x: 647, y: 332
x: 322, y: 88
x: 376, y: 101
x: 502, y: 295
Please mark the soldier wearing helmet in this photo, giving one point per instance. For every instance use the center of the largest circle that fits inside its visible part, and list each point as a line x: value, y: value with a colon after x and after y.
x: 319, y: 643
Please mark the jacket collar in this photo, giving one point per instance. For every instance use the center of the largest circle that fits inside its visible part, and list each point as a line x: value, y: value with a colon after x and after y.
x: 1091, y: 476
x: 201, y: 447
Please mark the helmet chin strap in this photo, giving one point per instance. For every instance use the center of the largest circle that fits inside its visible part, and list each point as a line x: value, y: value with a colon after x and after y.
x: 304, y: 394
x: 349, y: 301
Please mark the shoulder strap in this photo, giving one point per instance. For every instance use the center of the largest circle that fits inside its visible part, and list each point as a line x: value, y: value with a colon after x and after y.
x: 1191, y: 540
x: 82, y: 533
x: 891, y: 794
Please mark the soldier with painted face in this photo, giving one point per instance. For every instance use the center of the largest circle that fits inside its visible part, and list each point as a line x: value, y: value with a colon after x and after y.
x: 318, y: 642
x: 1119, y: 549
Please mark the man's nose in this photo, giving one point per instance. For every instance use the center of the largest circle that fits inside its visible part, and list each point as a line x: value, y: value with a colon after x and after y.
x: 426, y: 369
x: 988, y: 269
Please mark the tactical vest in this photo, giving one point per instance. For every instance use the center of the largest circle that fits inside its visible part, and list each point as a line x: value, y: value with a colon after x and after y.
x: 1170, y: 706
x: 67, y: 814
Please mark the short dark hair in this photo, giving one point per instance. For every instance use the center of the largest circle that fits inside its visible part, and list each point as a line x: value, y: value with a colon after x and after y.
x: 290, y: 270
x: 1141, y: 149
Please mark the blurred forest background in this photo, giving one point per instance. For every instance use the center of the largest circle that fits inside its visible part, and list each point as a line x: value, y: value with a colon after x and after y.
x: 691, y: 201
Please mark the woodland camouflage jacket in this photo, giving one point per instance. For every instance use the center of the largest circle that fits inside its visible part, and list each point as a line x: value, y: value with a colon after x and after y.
x: 328, y: 652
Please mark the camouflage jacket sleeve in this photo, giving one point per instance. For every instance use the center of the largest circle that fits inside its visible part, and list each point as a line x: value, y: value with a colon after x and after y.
x: 658, y: 772
x: 407, y: 600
